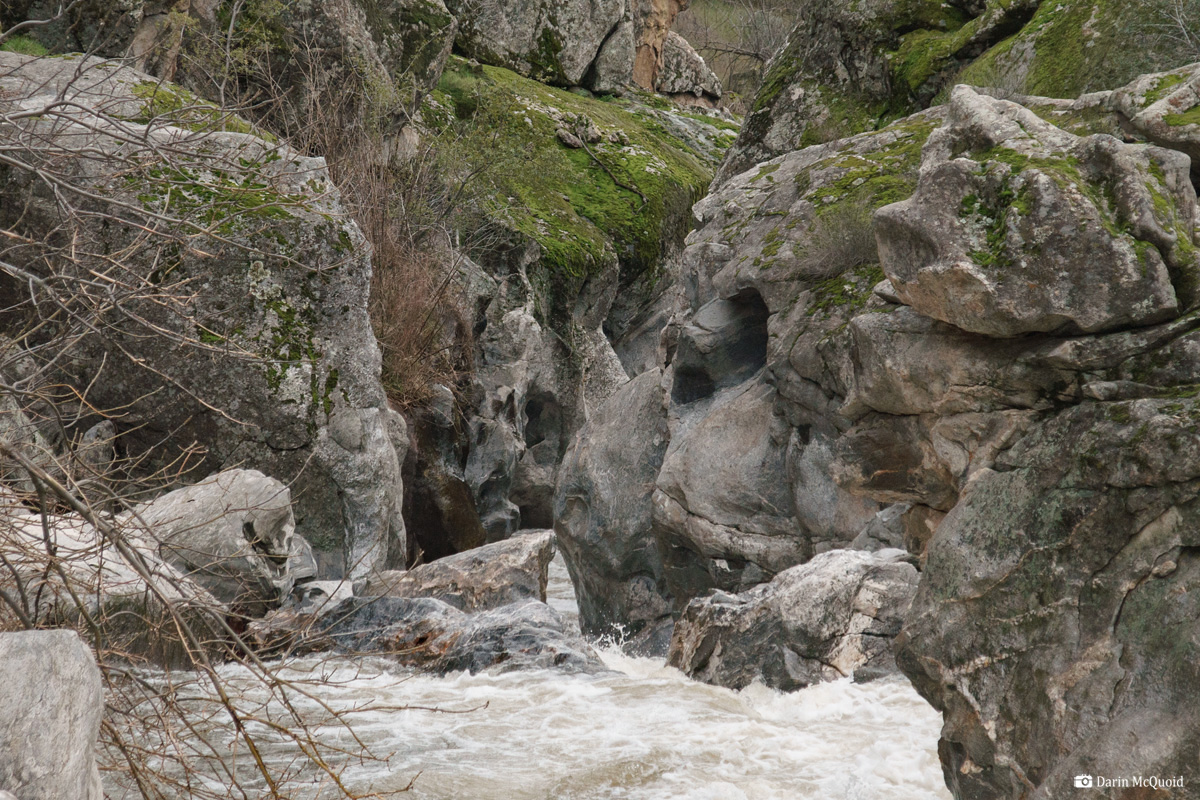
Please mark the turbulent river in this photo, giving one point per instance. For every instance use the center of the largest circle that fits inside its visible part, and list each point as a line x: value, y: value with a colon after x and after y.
x: 643, y: 731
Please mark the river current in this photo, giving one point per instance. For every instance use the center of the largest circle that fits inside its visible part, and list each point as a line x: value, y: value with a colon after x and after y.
x: 642, y: 732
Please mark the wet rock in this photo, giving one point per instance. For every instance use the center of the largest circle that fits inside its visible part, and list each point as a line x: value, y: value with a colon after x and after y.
x: 1020, y: 227
x: 53, y: 703
x: 477, y: 580
x: 823, y: 620
x: 286, y: 352
x: 603, y: 514
x: 437, y: 637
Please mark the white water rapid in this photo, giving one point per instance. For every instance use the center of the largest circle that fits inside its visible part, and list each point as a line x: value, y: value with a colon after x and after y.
x: 645, y: 732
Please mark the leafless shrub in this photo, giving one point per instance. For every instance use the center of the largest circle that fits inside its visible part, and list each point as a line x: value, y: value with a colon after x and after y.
x: 79, y: 265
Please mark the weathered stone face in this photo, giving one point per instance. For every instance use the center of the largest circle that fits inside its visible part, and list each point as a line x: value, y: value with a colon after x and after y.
x: 268, y: 359
x: 683, y: 71
x: 232, y: 533
x: 549, y: 41
x: 603, y: 512
x: 827, y: 619
x: 1019, y: 227
x: 53, y: 703
x: 1055, y: 618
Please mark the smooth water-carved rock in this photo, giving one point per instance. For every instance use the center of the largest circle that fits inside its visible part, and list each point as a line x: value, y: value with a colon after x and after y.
x: 232, y: 533
x: 271, y: 360
x: 477, y: 580
x: 603, y: 514
x: 1056, y: 623
x: 830, y: 618
x: 723, y: 514
x: 1020, y: 227
x: 52, y: 704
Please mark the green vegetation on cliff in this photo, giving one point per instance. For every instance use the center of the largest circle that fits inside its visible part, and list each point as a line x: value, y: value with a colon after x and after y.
x: 623, y: 194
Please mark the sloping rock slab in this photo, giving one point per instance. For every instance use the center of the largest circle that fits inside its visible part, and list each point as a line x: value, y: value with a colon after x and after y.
x: 437, y: 637
x: 829, y: 618
x: 477, y: 580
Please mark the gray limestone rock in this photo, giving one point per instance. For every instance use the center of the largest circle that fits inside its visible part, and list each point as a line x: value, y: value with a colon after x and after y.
x: 268, y: 361
x: 52, y: 703
x: 603, y: 512
x: 1056, y: 621
x: 1020, y: 227
x: 823, y: 620
x: 683, y: 71
x: 723, y: 515
x: 477, y: 580
x: 612, y: 71
x: 232, y: 533
x: 554, y: 42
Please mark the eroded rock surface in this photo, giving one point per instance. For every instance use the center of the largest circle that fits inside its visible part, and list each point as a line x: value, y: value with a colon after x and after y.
x: 1019, y: 227
x: 52, y: 705
x: 276, y: 316
x: 830, y: 618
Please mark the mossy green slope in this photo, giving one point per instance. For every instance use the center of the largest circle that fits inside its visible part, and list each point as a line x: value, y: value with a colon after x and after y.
x: 626, y: 195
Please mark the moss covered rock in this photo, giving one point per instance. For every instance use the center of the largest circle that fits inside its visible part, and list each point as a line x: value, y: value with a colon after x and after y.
x: 243, y: 338
x: 554, y: 42
x: 1018, y: 226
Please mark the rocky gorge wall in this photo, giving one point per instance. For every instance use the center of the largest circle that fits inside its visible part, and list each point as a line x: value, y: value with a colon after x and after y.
x: 906, y: 387
x: 964, y: 334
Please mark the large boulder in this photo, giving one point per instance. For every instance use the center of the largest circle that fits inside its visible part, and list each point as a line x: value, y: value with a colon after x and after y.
x: 603, y: 514
x: 554, y: 42
x: 232, y: 533
x: 1020, y: 227
x: 477, y: 580
x: 437, y: 637
x: 830, y: 618
x: 683, y: 72
x: 62, y: 571
x: 369, y: 62
x: 1055, y: 626
x: 267, y: 360
x: 53, y: 703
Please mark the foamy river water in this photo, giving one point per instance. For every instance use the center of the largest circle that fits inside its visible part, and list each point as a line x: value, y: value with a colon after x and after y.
x: 643, y: 732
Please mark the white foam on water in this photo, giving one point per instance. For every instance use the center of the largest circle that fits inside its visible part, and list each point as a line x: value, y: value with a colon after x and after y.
x: 646, y: 732
x: 643, y: 731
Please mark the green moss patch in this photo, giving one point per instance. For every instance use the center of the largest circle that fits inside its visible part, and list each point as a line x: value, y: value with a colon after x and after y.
x: 24, y: 45
x: 166, y: 102
x: 628, y: 194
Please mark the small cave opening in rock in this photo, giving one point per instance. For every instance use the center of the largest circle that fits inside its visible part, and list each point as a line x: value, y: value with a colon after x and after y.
x: 533, y: 478
x: 725, y: 343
